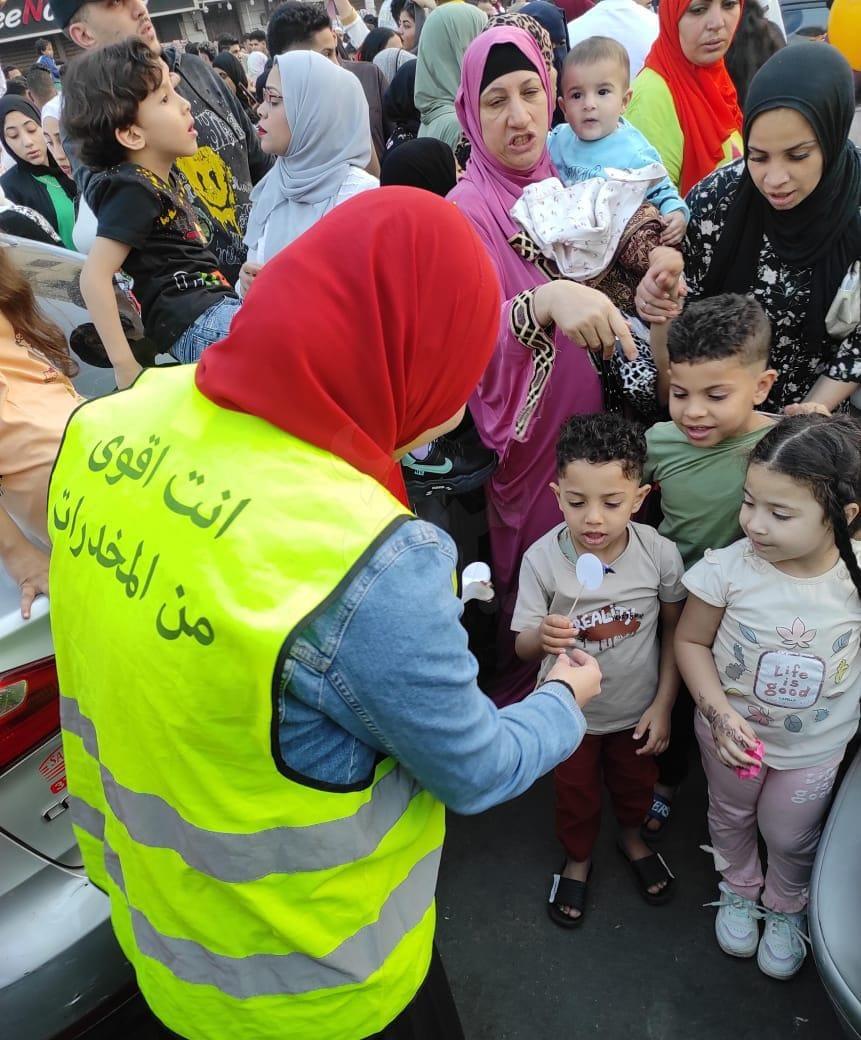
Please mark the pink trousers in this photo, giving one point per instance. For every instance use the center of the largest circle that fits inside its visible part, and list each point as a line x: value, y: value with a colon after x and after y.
x: 788, y: 806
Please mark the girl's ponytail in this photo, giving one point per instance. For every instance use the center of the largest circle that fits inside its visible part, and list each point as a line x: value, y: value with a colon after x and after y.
x: 823, y: 452
x: 843, y: 541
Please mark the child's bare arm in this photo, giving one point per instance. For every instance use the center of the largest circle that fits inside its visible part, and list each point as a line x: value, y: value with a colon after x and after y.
x: 527, y: 645
x: 97, y: 287
x: 667, y: 269
x: 655, y: 720
x: 668, y: 670
x: 27, y: 565
x: 658, y: 335
x: 695, y: 635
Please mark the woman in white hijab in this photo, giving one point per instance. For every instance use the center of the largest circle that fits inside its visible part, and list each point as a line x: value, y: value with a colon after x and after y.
x: 51, y: 130
x: 388, y: 61
x: 314, y: 117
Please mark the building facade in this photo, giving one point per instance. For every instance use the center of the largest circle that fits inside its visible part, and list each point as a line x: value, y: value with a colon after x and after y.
x: 22, y: 22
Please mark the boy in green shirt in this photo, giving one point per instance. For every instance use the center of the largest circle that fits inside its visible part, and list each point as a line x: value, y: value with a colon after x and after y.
x: 714, y: 363
x: 718, y: 375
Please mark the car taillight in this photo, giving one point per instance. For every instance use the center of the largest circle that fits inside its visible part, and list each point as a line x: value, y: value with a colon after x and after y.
x: 29, y: 708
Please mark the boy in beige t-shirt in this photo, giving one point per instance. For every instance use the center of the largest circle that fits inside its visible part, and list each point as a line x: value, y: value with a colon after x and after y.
x: 600, y: 461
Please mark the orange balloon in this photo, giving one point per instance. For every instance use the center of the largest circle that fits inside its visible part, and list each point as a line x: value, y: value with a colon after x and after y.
x: 844, y: 30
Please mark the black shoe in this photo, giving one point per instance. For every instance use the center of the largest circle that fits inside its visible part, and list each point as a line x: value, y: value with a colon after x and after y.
x: 451, y: 467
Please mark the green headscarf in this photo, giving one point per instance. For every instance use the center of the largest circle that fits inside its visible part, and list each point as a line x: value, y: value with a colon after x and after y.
x: 449, y: 30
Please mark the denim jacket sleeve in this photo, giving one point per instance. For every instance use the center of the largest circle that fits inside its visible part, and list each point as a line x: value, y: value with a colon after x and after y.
x: 386, y: 670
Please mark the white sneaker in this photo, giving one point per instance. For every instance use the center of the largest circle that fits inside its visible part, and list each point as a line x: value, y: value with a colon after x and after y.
x: 782, y: 949
x: 736, y: 925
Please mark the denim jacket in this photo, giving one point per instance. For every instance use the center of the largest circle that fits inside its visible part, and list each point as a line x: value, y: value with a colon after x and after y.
x: 385, y: 670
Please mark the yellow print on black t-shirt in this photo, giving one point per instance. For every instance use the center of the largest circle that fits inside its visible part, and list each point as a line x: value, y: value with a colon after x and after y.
x: 211, y: 181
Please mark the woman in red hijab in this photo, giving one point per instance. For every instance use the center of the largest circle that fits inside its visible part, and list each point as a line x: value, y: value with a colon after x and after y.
x: 684, y: 100
x: 363, y: 353
x: 378, y: 346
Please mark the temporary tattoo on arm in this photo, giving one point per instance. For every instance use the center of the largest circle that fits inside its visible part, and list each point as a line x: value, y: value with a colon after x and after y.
x: 719, y: 723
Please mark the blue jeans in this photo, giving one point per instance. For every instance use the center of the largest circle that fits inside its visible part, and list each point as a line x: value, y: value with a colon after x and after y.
x: 209, y: 328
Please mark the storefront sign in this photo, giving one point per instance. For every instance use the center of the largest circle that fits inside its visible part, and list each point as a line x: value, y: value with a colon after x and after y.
x: 21, y: 19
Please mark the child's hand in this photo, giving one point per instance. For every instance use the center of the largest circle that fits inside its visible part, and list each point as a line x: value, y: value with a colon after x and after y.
x: 28, y: 568
x: 675, y: 227
x: 666, y: 265
x: 662, y: 287
x: 247, y: 273
x: 126, y: 373
x: 655, y: 721
x: 582, y: 673
x: 556, y: 633
x: 733, y: 736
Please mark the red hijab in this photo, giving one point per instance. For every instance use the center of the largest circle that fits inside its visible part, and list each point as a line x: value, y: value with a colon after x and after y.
x: 574, y: 8
x: 704, y: 96
x: 371, y: 328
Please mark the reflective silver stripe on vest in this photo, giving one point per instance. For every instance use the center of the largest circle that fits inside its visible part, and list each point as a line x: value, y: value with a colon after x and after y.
x: 153, y: 822
x: 87, y: 818
x: 72, y: 720
x: 269, y: 974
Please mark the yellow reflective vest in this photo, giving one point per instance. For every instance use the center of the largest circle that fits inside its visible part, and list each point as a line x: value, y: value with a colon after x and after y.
x: 190, y: 545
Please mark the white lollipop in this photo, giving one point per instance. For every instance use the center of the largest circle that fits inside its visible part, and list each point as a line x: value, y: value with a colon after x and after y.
x: 590, y: 574
x: 590, y: 571
x: 475, y: 582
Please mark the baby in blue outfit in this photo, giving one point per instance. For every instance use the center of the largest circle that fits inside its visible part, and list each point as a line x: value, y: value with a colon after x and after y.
x: 595, y: 92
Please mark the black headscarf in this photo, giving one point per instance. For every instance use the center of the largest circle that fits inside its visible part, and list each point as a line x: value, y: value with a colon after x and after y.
x: 19, y: 183
x: 399, y: 104
x: 823, y: 232
x: 553, y: 20
x: 15, y: 103
x: 230, y: 64
x: 424, y: 163
x: 502, y: 59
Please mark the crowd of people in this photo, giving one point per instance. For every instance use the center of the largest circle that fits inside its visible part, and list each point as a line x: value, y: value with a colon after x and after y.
x: 628, y: 325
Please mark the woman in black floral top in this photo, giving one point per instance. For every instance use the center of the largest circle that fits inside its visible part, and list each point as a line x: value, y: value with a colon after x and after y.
x: 784, y: 223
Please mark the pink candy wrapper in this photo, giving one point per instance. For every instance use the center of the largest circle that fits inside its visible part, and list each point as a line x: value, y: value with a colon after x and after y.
x: 749, y: 772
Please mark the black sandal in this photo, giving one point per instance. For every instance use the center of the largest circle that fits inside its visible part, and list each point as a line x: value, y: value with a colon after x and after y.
x: 651, y: 870
x: 659, y: 811
x: 568, y: 892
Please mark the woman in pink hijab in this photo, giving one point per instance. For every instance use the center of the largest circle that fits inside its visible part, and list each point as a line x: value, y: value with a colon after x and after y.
x: 541, y: 372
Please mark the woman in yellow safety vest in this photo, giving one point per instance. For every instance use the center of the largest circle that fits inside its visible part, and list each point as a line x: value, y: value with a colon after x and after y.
x: 275, y: 697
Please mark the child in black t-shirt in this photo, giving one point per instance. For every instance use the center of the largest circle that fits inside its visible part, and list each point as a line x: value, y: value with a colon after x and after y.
x: 121, y: 109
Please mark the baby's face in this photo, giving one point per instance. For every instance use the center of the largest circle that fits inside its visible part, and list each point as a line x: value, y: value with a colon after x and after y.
x: 594, y: 96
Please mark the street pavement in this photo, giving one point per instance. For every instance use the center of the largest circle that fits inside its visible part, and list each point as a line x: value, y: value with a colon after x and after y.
x: 631, y: 972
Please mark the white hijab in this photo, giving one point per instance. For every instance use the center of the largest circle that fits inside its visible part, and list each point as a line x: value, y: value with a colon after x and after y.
x: 52, y: 108
x: 388, y: 61
x: 327, y: 112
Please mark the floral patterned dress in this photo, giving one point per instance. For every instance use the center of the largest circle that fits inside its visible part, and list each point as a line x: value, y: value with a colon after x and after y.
x: 783, y: 291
